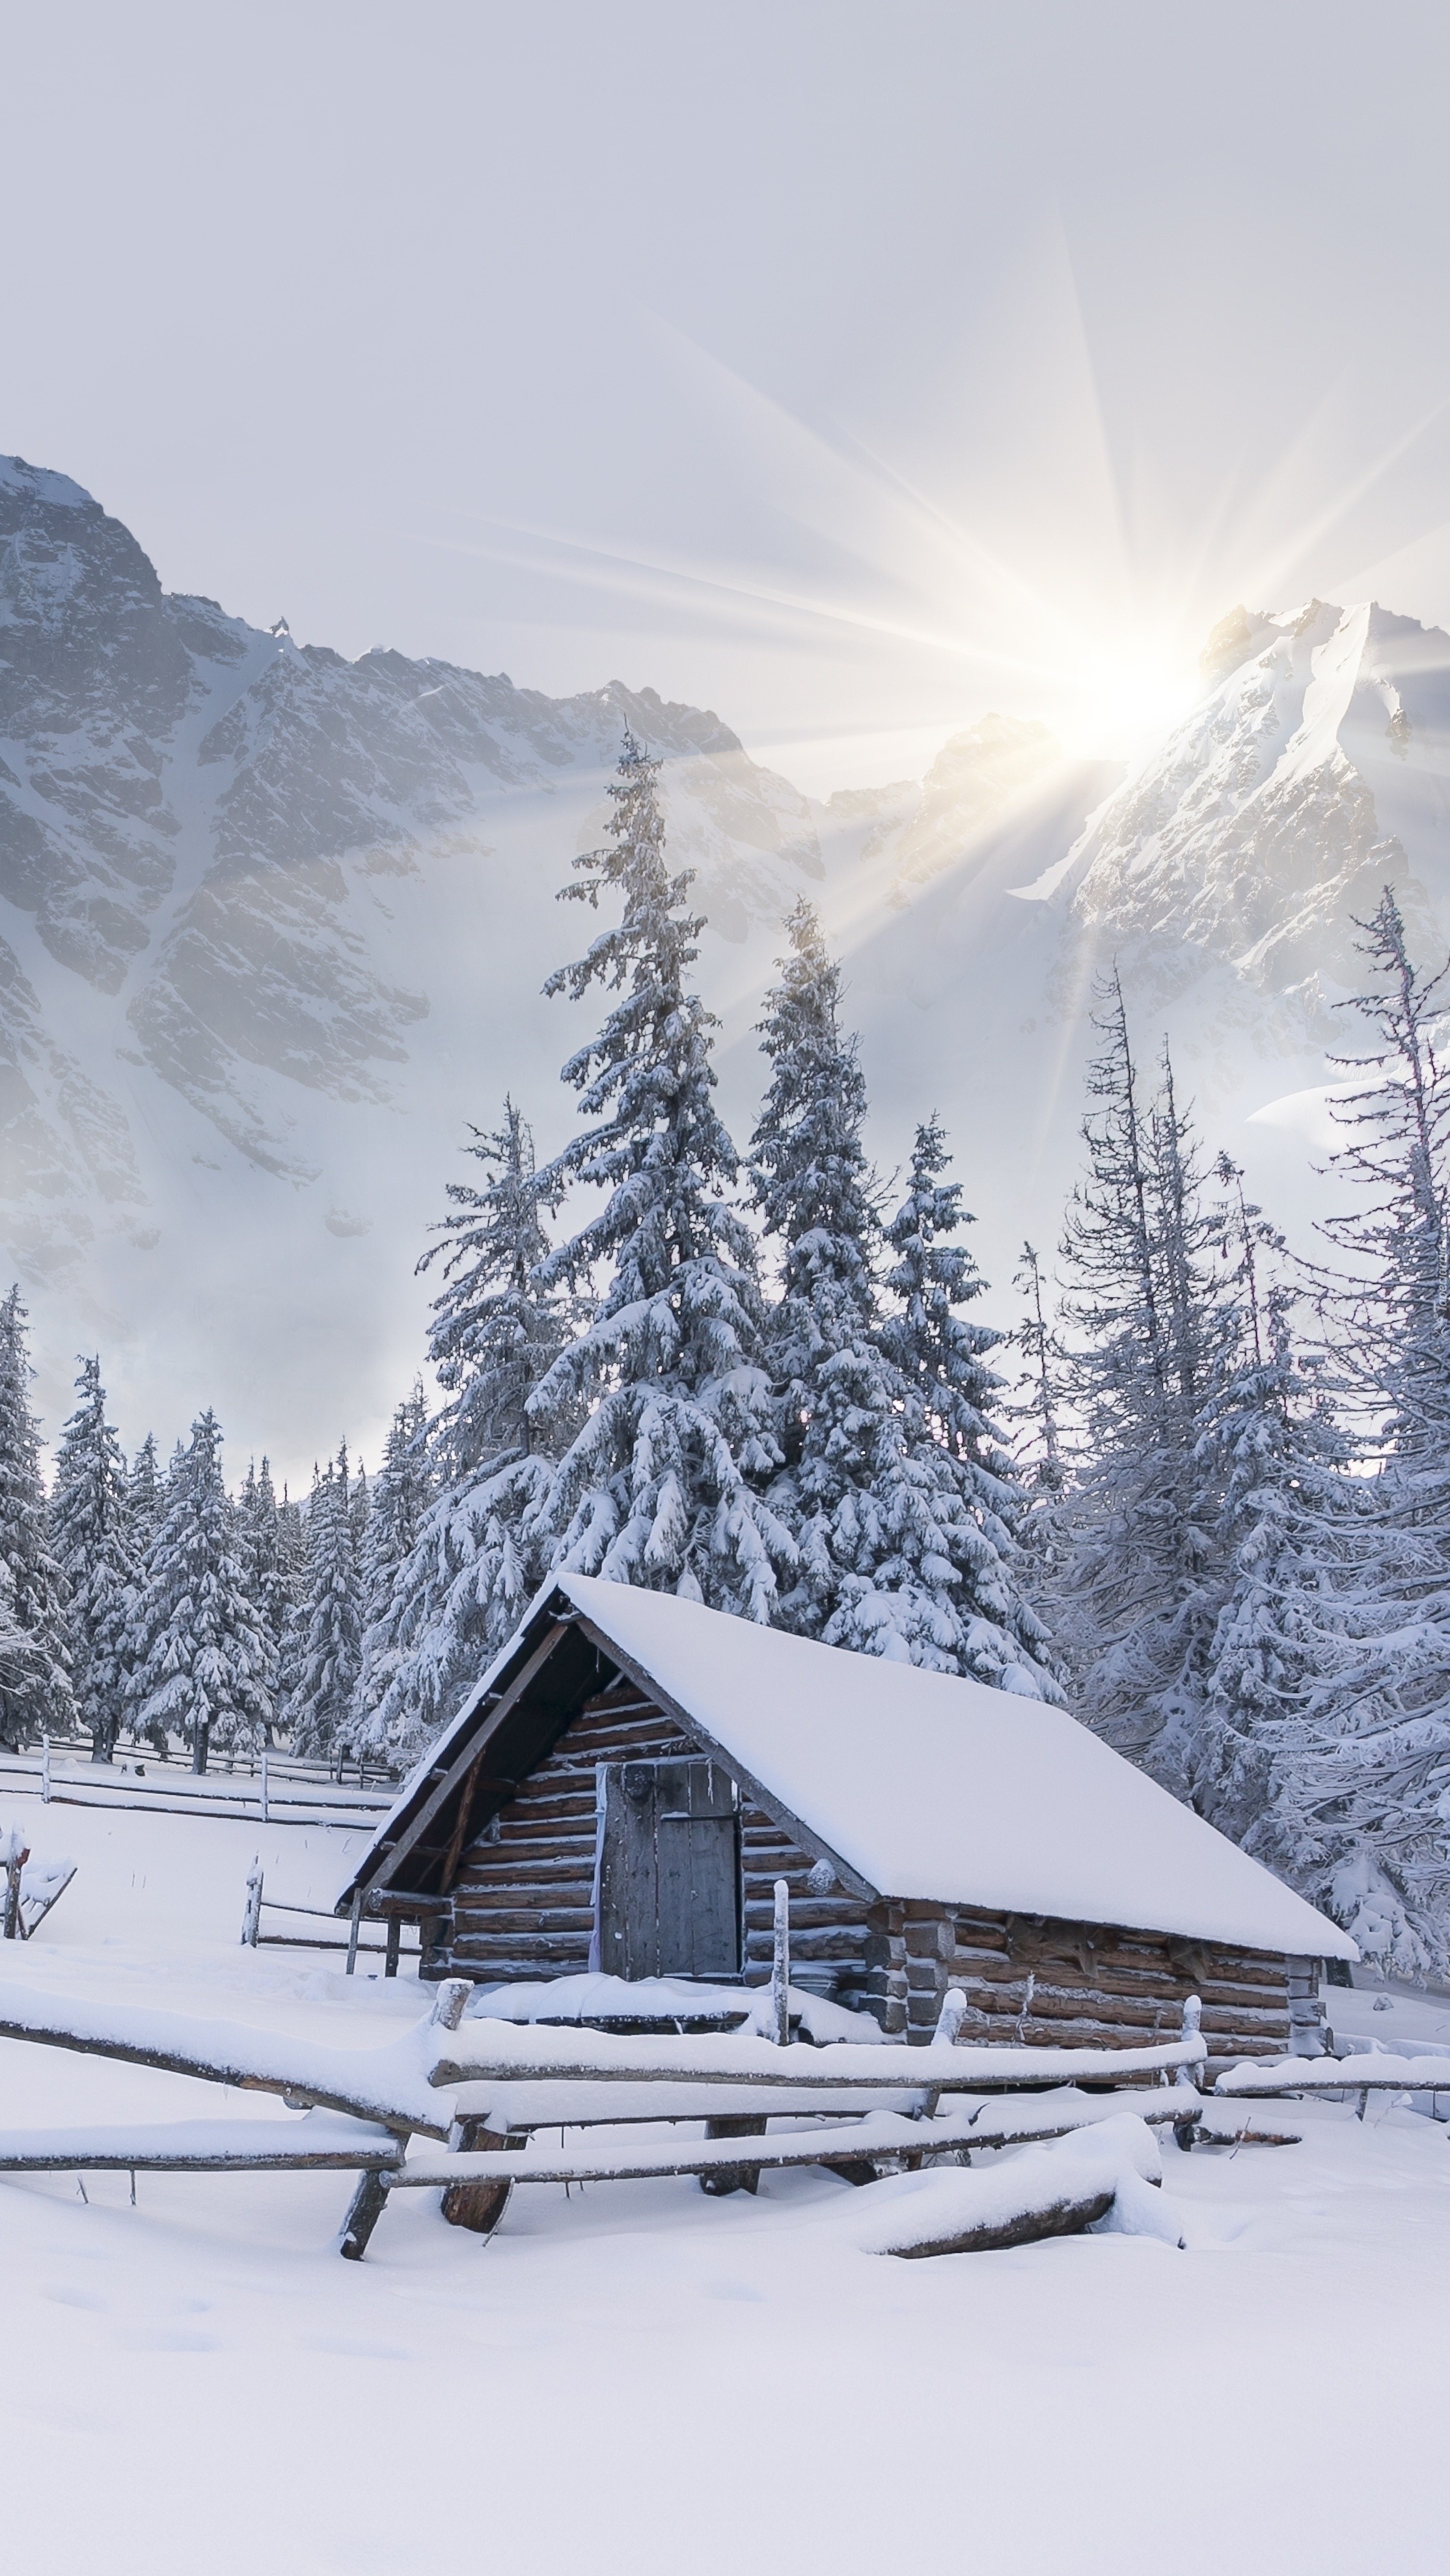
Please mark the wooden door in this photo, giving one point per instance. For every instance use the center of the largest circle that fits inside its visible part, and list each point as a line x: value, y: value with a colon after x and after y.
x: 669, y: 1870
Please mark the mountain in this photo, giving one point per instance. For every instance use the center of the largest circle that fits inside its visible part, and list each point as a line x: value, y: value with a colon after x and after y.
x: 271, y: 917
x: 273, y: 927
x: 1223, y: 877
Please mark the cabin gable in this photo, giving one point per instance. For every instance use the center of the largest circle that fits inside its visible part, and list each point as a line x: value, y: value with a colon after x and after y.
x: 525, y: 1894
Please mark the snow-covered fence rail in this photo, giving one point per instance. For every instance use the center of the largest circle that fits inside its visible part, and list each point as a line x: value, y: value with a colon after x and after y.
x: 318, y: 2142
x: 166, y: 1789
x: 494, y: 2053
x: 346, y: 1944
x: 384, y: 2085
x: 1253, y: 2080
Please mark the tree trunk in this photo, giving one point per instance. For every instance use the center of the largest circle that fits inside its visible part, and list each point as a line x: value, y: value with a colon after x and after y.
x: 199, y: 1744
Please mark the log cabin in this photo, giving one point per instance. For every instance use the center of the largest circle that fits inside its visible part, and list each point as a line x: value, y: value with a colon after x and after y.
x: 634, y: 1774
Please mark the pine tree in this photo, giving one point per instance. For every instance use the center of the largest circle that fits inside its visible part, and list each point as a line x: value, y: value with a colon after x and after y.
x: 966, y: 1555
x: 208, y: 1664
x: 35, y: 1689
x: 484, y: 1470
x: 90, y: 1525
x: 661, y: 1485
x: 144, y: 1498
x: 816, y: 1195
x: 328, y: 1628
x: 1133, y: 1607
x: 389, y: 1579
x: 1288, y: 1529
x: 262, y: 1548
x: 1362, y: 1757
x: 893, y: 1486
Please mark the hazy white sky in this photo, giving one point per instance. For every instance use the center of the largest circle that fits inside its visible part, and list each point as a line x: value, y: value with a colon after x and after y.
x: 849, y: 367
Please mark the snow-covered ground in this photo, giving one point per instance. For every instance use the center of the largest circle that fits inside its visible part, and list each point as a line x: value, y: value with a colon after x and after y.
x: 639, y: 2378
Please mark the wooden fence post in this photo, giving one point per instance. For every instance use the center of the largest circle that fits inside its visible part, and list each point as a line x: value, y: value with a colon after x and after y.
x: 395, y: 1935
x: 354, y: 1925
x: 1185, y: 2131
x: 252, y: 1910
x: 264, y: 1784
x: 450, y: 2003
x: 45, y: 1770
x: 780, y: 1965
x: 14, y: 1864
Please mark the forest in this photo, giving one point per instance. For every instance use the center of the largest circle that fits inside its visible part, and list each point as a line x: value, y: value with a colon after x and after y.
x: 1200, y: 1493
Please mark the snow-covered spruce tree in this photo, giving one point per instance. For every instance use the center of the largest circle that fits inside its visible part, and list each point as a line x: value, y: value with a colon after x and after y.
x: 1133, y: 1604
x: 888, y: 1463
x: 661, y: 1484
x: 1362, y: 1763
x: 327, y: 1629
x: 90, y: 1530
x: 208, y: 1664
x: 485, y: 1468
x: 35, y: 1690
x: 962, y: 1548
x: 144, y: 1499
x: 262, y: 1547
x: 401, y: 1491
x: 1289, y: 1529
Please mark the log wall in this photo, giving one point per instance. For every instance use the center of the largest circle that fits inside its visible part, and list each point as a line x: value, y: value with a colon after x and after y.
x: 1041, y: 1982
x: 523, y: 1909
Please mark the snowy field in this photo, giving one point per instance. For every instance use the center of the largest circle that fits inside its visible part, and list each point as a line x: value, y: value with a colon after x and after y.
x: 639, y: 2378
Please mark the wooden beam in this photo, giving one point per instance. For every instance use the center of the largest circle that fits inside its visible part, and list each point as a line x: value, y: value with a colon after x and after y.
x: 472, y: 1751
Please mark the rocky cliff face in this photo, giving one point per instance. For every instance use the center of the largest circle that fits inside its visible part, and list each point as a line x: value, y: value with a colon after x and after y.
x: 203, y: 831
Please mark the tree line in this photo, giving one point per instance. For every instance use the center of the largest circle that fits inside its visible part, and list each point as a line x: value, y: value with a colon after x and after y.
x: 1202, y: 1491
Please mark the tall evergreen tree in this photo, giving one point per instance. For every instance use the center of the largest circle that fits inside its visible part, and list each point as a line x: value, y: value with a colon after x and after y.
x: 390, y: 1581
x: 1289, y: 1525
x: 1133, y: 1607
x: 208, y: 1663
x: 90, y: 1526
x: 817, y: 1198
x: 1362, y: 1759
x: 893, y: 1484
x: 35, y: 1689
x: 661, y: 1484
x: 486, y: 1467
x: 328, y: 1625
x: 958, y: 1538
x: 262, y: 1549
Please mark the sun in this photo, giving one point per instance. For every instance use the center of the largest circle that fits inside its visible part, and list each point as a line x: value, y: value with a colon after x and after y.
x: 1128, y: 691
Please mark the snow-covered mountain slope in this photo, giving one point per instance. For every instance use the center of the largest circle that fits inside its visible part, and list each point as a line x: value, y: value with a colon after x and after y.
x: 1315, y: 771
x: 269, y: 915
x: 273, y: 928
x: 1223, y: 877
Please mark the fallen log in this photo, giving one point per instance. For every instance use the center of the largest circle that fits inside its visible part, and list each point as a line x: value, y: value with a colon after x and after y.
x: 1103, y: 2178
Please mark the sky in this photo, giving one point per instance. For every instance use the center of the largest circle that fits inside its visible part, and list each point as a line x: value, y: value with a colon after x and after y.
x: 848, y: 369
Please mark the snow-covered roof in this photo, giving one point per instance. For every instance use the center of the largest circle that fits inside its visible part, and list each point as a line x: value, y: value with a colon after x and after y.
x: 925, y: 1786
x: 937, y: 1788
